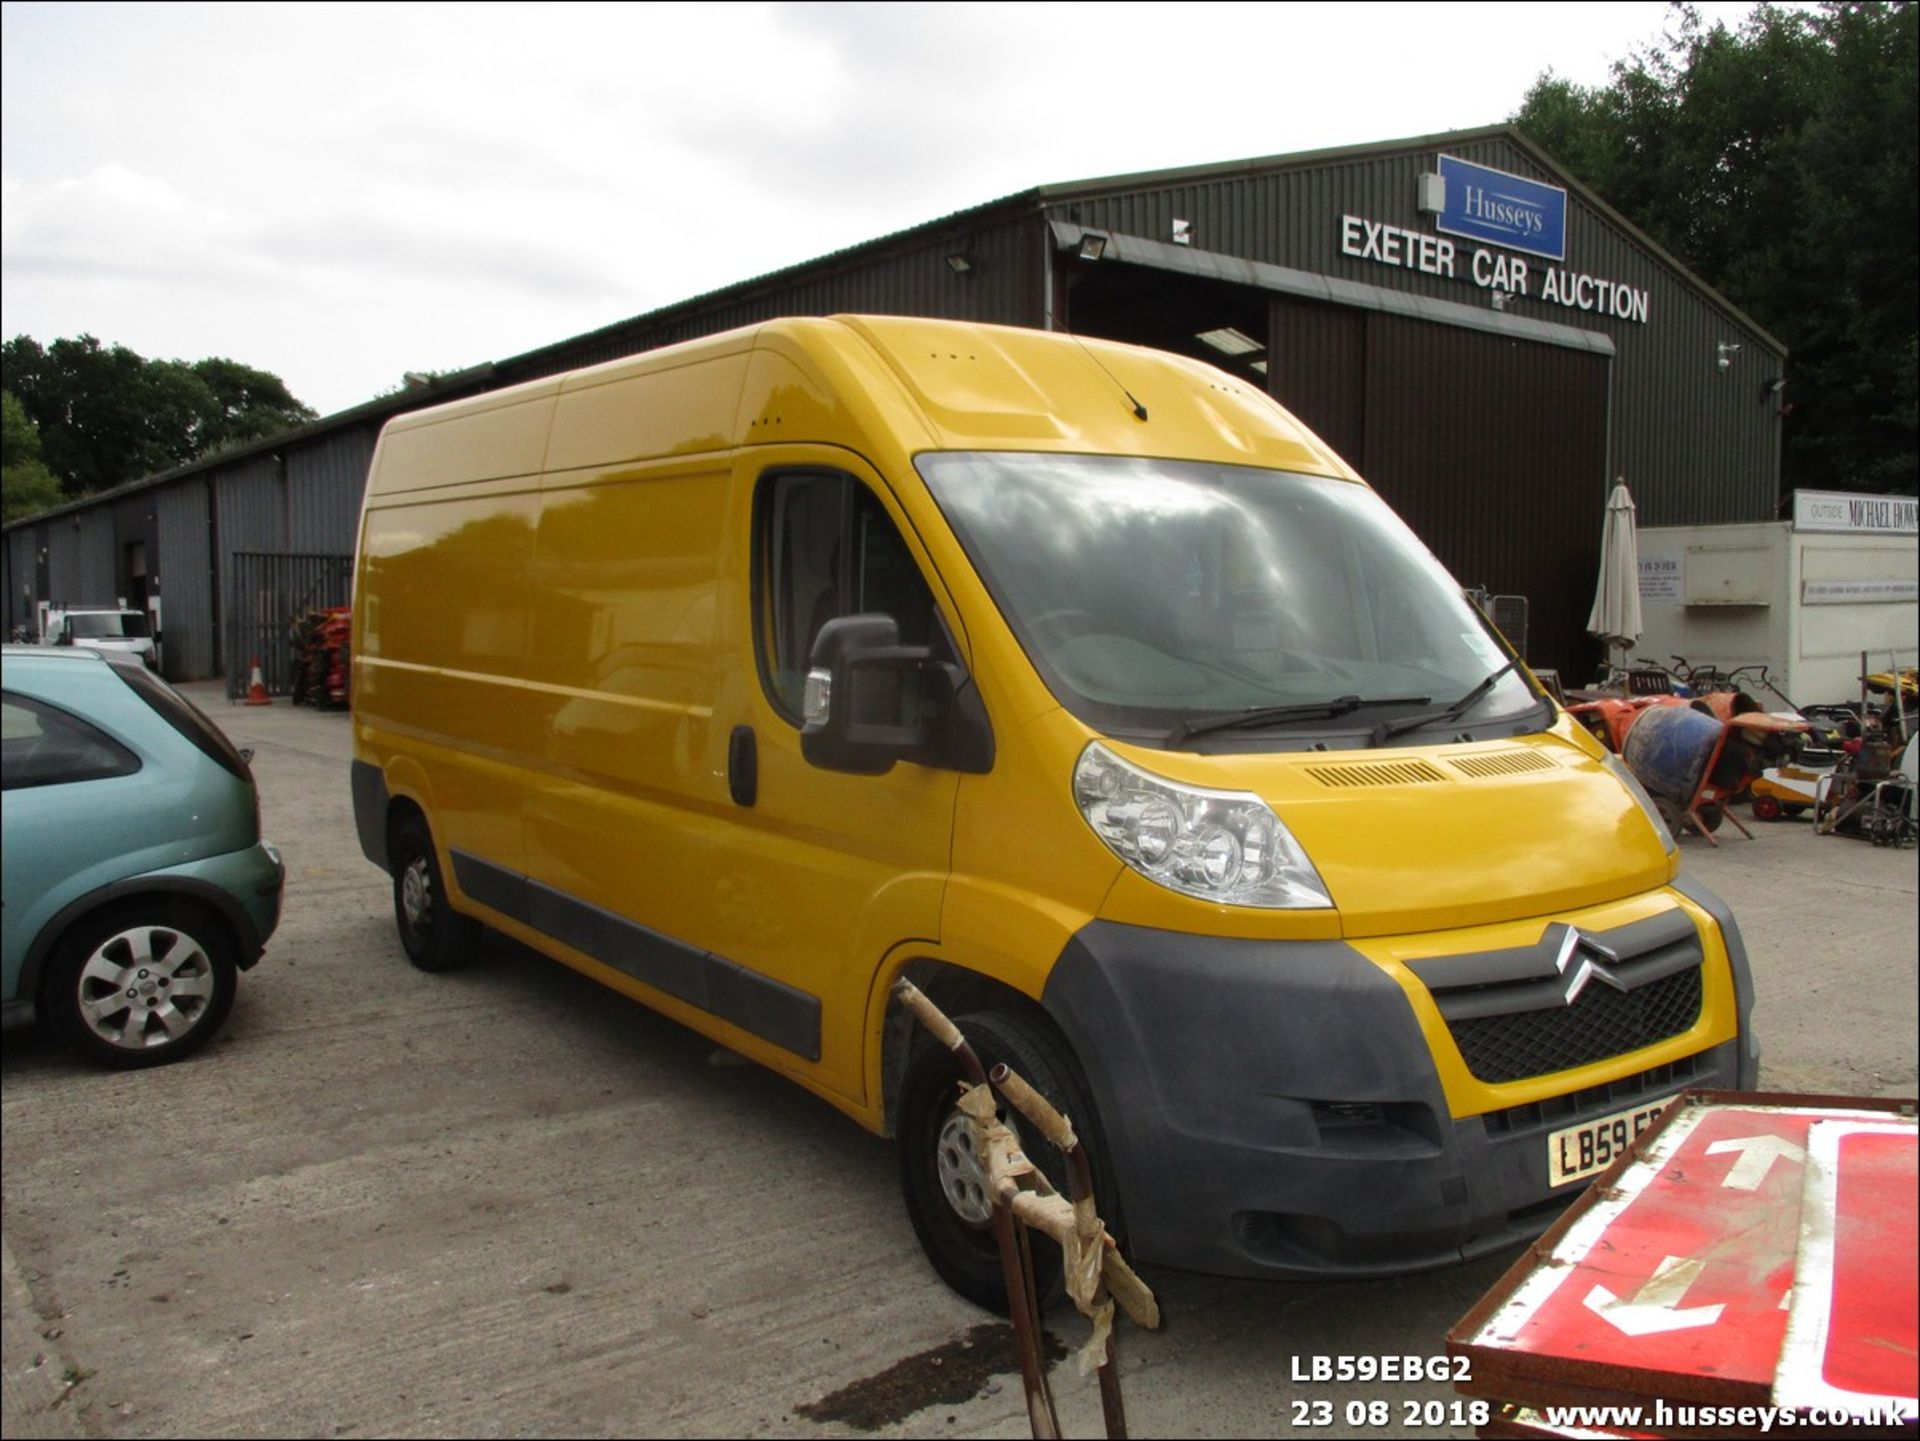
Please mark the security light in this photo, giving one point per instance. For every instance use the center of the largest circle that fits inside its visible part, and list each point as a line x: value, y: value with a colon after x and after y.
x: 1229, y: 341
x: 1724, y: 353
x: 960, y: 263
x: 1093, y: 245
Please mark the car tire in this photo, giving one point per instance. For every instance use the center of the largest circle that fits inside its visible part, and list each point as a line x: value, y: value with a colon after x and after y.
x: 142, y: 983
x: 434, y: 935
x: 941, y: 1182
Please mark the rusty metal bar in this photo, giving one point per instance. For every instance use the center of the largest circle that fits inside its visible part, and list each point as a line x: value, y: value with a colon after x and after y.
x: 1016, y: 1261
x: 1059, y: 1131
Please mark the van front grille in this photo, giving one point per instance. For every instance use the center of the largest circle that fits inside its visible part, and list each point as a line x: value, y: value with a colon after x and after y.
x: 1600, y: 1024
x: 1571, y: 998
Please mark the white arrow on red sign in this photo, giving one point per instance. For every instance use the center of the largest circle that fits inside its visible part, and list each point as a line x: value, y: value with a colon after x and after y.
x: 1757, y: 1155
x: 1655, y: 1307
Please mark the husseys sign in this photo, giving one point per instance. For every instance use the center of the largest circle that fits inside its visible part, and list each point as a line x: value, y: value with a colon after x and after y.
x: 1475, y: 203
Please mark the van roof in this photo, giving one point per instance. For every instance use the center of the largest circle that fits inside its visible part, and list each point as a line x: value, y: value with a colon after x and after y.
x: 970, y: 386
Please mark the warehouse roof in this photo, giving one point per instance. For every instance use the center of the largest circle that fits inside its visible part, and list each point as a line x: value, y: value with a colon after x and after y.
x: 1035, y: 200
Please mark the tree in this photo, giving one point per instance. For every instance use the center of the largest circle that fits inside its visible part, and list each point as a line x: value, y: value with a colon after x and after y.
x: 252, y: 404
x: 26, y: 485
x: 106, y: 415
x: 1778, y: 162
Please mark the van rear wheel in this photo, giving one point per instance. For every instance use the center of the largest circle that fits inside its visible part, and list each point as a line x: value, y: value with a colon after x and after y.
x: 941, y: 1181
x: 435, y: 936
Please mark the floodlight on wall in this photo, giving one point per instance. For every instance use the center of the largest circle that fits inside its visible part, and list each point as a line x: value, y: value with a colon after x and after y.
x: 1093, y: 245
x: 1725, y: 352
x: 1773, y: 387
x: 1183, y: 232
x: 1229, y: 341
x: 960, y: 263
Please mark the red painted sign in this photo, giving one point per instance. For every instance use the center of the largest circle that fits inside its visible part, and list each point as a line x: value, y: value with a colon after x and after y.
x: 1679, y: 1272
x: 1853, y: 1333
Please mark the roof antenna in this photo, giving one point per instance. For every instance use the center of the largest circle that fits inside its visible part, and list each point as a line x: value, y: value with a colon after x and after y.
x: 1139, y: 410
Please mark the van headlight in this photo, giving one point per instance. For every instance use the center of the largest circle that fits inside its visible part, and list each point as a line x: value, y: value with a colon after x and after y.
x: 1225, y: 846
x: 1632, y: 782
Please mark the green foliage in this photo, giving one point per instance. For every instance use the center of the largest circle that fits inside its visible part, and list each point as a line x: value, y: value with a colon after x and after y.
x: 26, y: 485
x: 106, y: 415
x: 1778, y: 163
x: 414, y: 381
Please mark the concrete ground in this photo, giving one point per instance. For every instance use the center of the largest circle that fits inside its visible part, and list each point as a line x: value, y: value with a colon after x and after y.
x: 504, y: 1202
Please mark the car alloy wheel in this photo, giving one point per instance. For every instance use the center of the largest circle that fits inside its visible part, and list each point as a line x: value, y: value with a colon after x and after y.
x: 142, y: 984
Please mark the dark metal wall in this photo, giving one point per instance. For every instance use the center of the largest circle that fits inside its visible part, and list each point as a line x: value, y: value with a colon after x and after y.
x: 1492, y: 449
x: 1002, y: 287
x: 323, y: 489
x: 186, y: 579
x: 1696, y: 443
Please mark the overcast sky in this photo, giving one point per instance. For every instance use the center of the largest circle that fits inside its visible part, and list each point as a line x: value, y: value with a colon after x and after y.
x: 342, y: 193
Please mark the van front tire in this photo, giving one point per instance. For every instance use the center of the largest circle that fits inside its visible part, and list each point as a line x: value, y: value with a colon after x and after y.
x: 940, y: 1181
x: 434, y: 935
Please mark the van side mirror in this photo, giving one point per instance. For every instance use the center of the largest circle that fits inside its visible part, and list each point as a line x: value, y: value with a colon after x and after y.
x: 871, y: 701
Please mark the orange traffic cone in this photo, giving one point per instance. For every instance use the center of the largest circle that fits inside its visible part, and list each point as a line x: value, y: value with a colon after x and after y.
x: 257, y: 691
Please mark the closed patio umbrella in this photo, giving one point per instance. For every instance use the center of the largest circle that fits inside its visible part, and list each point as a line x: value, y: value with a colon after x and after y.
x: 1616, y: 601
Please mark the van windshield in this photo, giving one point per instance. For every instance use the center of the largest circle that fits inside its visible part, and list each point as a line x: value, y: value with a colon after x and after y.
x: 107, y: 624
x: 1168, y: 600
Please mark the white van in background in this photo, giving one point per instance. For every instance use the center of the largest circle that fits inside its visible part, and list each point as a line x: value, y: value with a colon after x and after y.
x: 102, y: 628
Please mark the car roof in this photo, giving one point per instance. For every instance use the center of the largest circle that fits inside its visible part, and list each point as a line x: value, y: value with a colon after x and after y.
x: 33, y: 656
x: 52, y: 655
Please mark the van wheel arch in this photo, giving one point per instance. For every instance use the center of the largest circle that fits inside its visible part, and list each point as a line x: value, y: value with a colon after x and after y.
x: 955, y: 990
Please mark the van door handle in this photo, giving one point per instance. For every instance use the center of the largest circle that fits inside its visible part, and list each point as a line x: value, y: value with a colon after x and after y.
x: 743, y: 766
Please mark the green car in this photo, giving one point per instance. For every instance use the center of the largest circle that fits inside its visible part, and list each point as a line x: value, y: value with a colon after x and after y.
x: 137, y: 887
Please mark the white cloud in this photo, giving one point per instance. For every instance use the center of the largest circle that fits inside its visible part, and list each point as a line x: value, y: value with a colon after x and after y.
x: 344, y: 192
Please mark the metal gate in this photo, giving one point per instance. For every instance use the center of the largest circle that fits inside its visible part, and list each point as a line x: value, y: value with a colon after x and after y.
x: 266, y: 593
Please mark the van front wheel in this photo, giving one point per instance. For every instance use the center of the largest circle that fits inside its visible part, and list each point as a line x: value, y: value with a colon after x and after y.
x: 943, y: 1185
x: 435, y: 936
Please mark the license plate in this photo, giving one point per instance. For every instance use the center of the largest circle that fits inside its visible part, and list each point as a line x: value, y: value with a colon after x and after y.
x: 1592, y: 1146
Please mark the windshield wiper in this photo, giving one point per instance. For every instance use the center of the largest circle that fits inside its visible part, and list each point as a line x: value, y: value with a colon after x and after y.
x: 1387, y: 729
x: 1270, y: 714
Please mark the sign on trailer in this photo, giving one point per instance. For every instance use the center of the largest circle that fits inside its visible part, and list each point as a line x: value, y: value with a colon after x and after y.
x: 1747, y: 1252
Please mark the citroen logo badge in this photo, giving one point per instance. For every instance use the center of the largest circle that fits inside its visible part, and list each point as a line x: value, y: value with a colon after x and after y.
x: 1576, y: 963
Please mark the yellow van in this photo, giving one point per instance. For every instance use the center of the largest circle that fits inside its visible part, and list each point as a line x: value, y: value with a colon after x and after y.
x: 1084, y: 686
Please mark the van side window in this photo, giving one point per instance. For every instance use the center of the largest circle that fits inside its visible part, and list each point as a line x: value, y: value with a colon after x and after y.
x: 826, y: 548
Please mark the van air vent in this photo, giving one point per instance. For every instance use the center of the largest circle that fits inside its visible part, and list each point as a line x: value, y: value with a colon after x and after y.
x: 1502, y: 763
x: 1385, y: 773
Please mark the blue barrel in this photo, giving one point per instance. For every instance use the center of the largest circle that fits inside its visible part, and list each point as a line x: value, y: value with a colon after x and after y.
x: 1669, y: 749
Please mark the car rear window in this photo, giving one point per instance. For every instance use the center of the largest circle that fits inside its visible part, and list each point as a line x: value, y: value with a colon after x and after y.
x: 185, y: 717
x: 41, y: 745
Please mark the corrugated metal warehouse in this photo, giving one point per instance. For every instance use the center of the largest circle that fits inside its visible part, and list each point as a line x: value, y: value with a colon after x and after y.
x: 1485, y: 340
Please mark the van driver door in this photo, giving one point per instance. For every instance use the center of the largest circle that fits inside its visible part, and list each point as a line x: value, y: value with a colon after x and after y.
x: 830, y: 871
